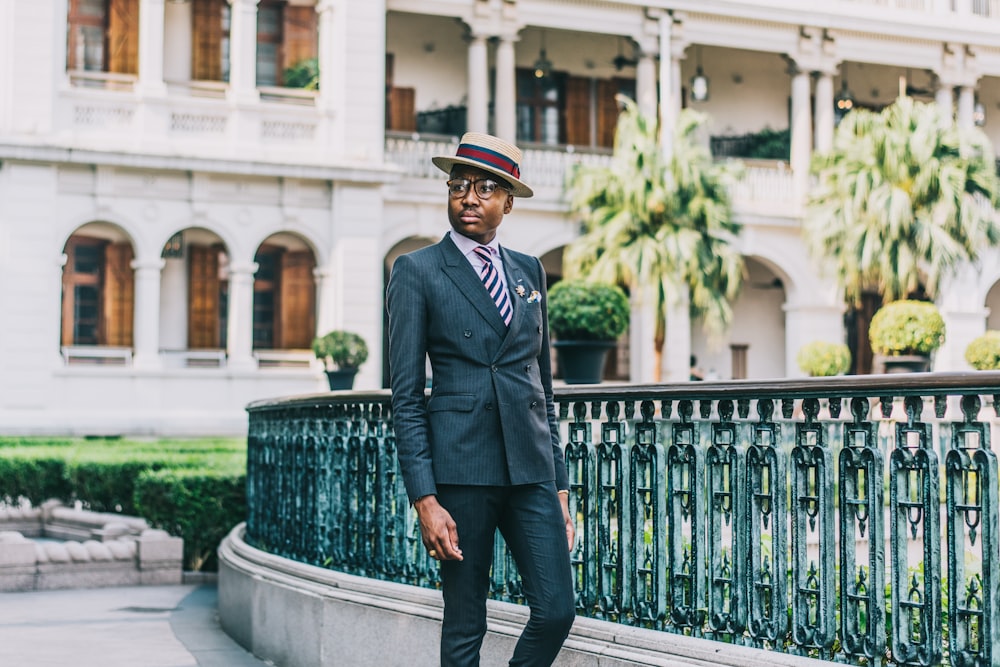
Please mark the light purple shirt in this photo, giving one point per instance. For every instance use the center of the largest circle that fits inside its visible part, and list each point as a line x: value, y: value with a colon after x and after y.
x: 468, y: 247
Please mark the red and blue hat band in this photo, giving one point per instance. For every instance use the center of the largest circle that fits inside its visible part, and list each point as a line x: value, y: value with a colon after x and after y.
x: 492, y: 158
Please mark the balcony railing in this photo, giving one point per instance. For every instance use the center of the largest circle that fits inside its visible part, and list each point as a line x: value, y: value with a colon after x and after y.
x: 851, y: 519
x: 763, y: 182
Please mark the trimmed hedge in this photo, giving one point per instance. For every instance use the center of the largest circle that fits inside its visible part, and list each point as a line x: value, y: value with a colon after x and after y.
x: 200, y: 506
x: 194, y: 489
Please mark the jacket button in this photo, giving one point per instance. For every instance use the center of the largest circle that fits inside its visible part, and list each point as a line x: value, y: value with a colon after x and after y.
x: 494, y: 369
x: 534, y: 404
x: 489, y: 406
x: 467, y: 333
x: 527, y: 367
x: 539, y: 329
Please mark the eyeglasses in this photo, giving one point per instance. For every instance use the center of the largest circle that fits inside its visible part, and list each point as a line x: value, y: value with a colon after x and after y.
x: 484, y: 187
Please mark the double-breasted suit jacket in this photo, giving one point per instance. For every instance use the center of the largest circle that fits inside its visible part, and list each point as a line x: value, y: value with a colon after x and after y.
x: 490, y: 418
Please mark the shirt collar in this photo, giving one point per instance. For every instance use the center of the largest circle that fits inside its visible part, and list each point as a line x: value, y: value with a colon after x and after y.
x: 467, y: 245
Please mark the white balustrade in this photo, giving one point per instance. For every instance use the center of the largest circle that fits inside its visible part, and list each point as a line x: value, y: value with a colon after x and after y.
x: 105, y: 112
x: 762, y: 182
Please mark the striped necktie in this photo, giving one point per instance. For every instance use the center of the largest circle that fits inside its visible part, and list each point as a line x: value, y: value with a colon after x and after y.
x: 491, y: 279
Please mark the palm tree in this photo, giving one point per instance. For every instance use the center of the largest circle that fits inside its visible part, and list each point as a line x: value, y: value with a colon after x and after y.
x: 902, y: 198
x: 658, y: 222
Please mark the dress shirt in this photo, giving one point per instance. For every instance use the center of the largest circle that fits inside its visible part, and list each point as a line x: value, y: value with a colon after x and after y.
x: 468, y: 248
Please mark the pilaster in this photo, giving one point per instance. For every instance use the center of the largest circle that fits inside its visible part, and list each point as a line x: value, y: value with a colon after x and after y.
x: 152, y: 18
x: 239, y: 331
x: 146, y: 322
x: 243, y: 52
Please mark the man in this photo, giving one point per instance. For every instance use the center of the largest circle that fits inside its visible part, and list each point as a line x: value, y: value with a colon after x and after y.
x: 483, y: 452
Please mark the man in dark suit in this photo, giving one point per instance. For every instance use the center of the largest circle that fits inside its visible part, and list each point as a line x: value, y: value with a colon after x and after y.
x: 483, y: 452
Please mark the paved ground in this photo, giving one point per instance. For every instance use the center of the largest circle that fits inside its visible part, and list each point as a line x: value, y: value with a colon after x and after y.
x: 141, y: 626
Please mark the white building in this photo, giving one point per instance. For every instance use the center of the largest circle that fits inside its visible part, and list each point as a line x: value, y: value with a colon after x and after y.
x: 176, y: 223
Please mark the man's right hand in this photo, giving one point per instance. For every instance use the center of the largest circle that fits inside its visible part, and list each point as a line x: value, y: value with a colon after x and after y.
x: 438, y: 529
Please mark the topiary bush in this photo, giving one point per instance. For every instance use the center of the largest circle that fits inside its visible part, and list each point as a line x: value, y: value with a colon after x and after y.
x: 983, y: 353
x: 201, y: 506
x: 822, y: 358
x: 906, y: 327
x: 580, y: 310
x: 341, y: 350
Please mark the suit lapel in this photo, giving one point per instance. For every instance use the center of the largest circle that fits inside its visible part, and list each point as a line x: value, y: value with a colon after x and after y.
x: 458, y: 269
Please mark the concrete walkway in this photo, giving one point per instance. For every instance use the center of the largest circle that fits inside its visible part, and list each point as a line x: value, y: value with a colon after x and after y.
x: 141, y: 626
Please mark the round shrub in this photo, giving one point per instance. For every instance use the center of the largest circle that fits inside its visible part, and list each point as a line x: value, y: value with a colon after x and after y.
x: 821, y: 358
x: 580, y: 310
x: 906, y: 327
x: 983, y: 353
x: 340, y: 349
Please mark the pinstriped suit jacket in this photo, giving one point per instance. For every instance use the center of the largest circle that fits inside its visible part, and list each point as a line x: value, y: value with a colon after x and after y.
x: 490, y: 418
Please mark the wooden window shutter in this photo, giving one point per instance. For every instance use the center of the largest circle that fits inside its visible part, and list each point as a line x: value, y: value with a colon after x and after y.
x: 123, y: 36
x: 578, y: 111
x: 119, y: 294
x: 402, y: 113
x: 301, y: 35
x: 206, y: 30
x: 607, y: 112
x: 203, y: 297
x: 297, y: 301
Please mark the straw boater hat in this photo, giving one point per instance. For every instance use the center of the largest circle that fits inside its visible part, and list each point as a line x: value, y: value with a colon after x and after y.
x: 490, y: 154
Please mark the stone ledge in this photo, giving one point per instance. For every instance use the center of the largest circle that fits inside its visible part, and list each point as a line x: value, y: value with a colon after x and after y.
x: 299, y: 615
x: 83, y: 549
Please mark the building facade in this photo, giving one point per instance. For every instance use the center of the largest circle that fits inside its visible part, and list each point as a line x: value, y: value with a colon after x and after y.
x: 192, y: 189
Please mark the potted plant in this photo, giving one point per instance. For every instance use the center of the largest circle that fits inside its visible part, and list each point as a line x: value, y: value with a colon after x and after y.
x: 341, y: 352
x: 983, y: 353
x: 905, y: 333
x: 586, y: 320
x: 822, y: 358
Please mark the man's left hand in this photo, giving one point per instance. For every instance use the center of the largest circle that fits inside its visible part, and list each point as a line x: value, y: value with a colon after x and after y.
x: 568, y: 520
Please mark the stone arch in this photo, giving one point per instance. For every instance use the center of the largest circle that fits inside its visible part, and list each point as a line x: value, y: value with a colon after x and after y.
x: 284, y: 293
x: 98, y: 294
x: 401, y: 247
x: 193, y: 294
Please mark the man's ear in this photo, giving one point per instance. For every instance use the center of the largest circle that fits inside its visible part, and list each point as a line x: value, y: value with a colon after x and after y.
x: 508, y: 205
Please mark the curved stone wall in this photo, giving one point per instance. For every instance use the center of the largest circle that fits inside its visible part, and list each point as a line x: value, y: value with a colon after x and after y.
x: 298, y: 615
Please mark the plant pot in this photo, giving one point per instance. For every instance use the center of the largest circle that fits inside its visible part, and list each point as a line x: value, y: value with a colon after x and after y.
x: 582, y: 361
x: 341, y: 379
x: 906, y: 363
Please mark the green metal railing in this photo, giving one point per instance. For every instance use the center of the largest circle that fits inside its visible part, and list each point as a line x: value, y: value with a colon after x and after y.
x: 745, y: 512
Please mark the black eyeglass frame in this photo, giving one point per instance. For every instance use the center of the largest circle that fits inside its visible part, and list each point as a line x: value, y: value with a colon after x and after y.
x: 474, y: 184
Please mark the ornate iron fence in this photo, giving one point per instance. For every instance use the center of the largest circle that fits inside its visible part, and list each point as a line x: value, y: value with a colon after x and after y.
x: 758, y: 513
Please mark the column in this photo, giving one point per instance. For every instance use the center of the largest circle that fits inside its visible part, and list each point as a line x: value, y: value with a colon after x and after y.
x: 479, y: 85
x: 677, y: 348
x: 825, y: 117
x: 801, y: 150
x: 945, y: 100
x: 332, y: 32
x: 151, y: 25
x: 177, y: 32
x: 645, y: 80
x: 642, y: 328
x: 323, y: 278
x: 239, y: 330
x: 966, y: 107
x: 146, y: 316
x: 243, y: 52
x: 670, y: 104
x: 505, y: 103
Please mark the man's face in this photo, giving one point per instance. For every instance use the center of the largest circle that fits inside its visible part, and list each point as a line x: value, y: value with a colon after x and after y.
x: 472, y: 215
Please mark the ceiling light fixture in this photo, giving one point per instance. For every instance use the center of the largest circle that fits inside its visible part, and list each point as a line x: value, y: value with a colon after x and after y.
x: 543, y: 66
x: 699, y: 82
